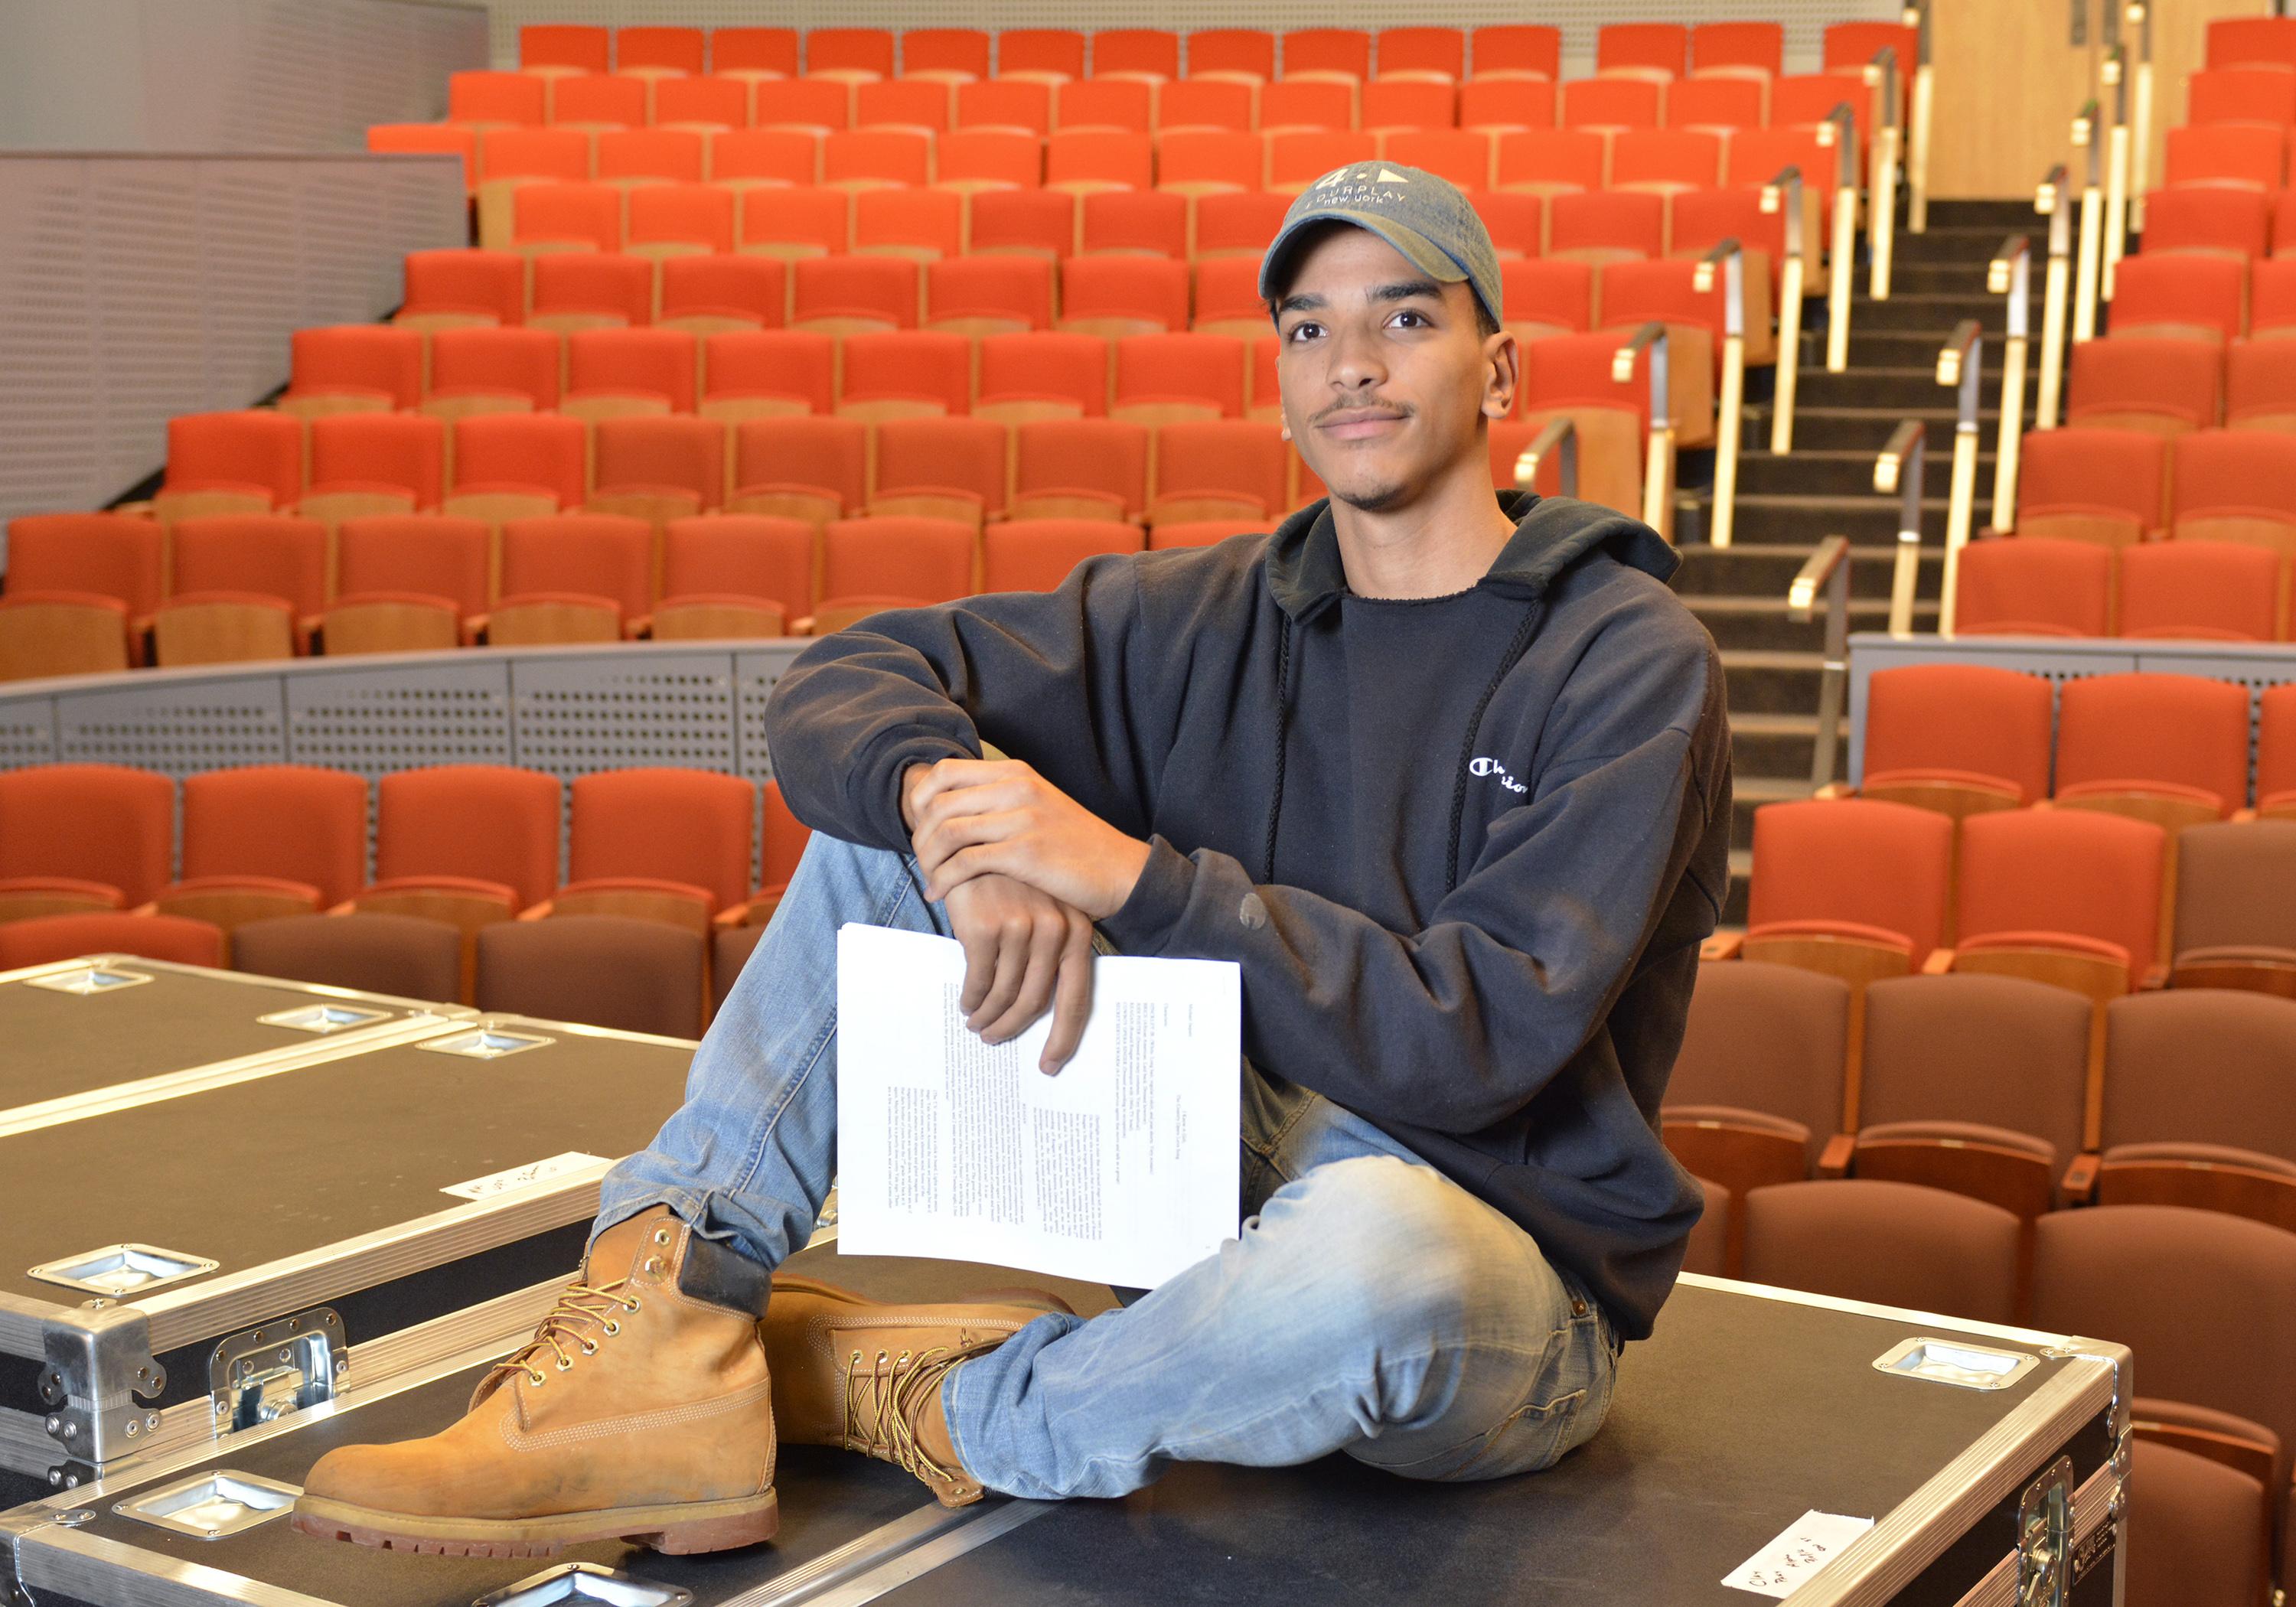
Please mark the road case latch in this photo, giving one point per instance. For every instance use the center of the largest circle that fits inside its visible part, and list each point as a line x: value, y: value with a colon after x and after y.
x: 2045, y: 1530
x: 285, y: 1366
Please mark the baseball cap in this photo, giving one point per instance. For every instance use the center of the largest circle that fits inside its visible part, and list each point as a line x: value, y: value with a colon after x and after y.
x: 1421, y: 214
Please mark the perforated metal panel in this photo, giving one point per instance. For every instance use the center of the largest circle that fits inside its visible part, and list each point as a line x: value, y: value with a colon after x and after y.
x: 609, y: 711
x: 27, y: 733
x: 378, y: 719
x: 177, y: 727
x: 754, y: 675
x: 132, y: 289
x: 1805, y: 20
x: 226, y: 75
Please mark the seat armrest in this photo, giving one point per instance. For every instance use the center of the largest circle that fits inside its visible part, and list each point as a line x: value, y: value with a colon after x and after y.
x: 2080, y: 1185
x: 1722, y: 946
x: 1940, y: 963
x: 1834, y: 1161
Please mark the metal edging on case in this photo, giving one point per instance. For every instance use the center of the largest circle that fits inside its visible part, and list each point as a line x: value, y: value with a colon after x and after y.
x: 1918, y: 1529
x: 421, y: 1019
x: 2092, y: 1508
x: 236, y: 1301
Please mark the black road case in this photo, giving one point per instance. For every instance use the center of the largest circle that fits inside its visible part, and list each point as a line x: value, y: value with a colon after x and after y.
x: 108, y: 1031
x: 1993, y: 1459
x: 230, y: 1251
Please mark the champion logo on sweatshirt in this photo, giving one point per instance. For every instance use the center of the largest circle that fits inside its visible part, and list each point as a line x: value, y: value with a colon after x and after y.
x: 1491, y: 766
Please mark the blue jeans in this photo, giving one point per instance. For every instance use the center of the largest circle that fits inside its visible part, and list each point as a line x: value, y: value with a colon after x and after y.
x: 1371, y: 1305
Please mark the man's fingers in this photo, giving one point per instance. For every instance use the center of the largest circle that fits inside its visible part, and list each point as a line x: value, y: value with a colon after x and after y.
x: 1045, y: 944
x: 959, y: 802
x: 934, y: 844
x: 979, y: 946
x: 1012, y: 968
x: 981, y: 860
x: 1072, y: 999
x: 952, y: 774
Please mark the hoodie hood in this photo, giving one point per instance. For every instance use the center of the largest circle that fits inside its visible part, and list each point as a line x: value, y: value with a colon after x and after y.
x: 1551, y: 535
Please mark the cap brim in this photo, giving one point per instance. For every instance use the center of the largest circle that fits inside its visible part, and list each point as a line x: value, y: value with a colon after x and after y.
x: 1421, y: 252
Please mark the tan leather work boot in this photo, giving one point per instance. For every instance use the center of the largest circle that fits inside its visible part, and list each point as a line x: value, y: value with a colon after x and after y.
x: 640, y: 1411
x: 865, y: 1375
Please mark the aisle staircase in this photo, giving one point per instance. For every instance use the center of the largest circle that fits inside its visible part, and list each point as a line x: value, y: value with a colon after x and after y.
x: 1825, y: 487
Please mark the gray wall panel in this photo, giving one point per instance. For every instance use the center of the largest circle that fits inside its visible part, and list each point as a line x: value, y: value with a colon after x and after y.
x: 132, y: 289
x: 226, y: 75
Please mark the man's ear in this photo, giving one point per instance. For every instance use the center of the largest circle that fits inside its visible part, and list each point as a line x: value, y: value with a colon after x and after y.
x: 1502, y: 373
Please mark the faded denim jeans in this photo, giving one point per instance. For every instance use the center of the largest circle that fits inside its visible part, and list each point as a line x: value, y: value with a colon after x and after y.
x: 1371, y: 1305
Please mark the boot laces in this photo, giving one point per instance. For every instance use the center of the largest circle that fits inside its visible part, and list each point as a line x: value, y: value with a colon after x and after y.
x: 580, y: 1307
x: 896, y: 1390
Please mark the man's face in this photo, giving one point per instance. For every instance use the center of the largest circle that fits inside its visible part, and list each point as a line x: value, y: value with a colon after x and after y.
x: 1386, y: 380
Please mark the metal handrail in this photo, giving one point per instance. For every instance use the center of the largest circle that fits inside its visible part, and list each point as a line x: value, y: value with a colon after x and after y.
x: 2091, y: 223
x: 1961, y: 365
x: 1839, y: 130
x: 1917, y: 15
x: 1881, y: 188
x: 1828, y: 568
x: 2051, y: 202
x: 1782, y: 196
x: 1900, y: 469
x: 1730, y: 407
x: 2139, y: 15
x: 1657, y: 468
x: 2112, y: 71
x: 2011, y: 273
x: 1557, y: 438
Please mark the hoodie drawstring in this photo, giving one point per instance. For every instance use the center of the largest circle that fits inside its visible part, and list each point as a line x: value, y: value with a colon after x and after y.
x: 1283, y: 731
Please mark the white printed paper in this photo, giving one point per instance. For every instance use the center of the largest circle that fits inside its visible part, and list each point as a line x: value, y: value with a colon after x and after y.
x: 1121, y: 1170
x: 524, y: 1176
x: 1792, y: 1560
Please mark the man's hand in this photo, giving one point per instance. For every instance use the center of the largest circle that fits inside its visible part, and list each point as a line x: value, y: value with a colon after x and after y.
x: 979, y: 817
x: 1023, y: 949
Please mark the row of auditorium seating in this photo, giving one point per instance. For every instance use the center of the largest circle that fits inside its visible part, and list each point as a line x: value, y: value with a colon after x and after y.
x: 972, y: 161
x: 1664, y: 50
x: 1224, y: 367
x: 1960, y: 738
x: 467, y: 845
x: 2245, y: 156
x: 612, y: 103
x: 1981, y: 1085
x: 2197, y: 296
x: 268, y: 587
x: 2183, y: 590
x: 2169, y: 386
x: 678, y: 221
x: 371, y: 463
x: 2072, y: 893
x: 2117, y: 486
x: 630, y: 974
x: 1610, y: 274
x: 2228, y: 219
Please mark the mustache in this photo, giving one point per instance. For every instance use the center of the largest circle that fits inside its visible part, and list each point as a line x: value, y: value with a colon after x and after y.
x: 1373, y: 405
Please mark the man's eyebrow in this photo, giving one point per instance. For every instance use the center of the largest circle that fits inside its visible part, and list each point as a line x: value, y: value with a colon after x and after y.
x: 1301, y: 302
x: 1408, y: 290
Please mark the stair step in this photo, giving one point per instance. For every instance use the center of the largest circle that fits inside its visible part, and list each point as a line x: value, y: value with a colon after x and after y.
x: 1869, y: 519
x: 1828, y: 471
x: 1934, y: 310
x: 1764, y: 623
x: 1780, y: 747
x: 1904, y: 386
x: 1868, y: 429
x: 1753, y: 569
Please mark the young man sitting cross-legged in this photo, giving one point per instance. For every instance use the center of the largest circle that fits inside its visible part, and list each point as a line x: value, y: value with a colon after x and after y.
x: 1445, y: 772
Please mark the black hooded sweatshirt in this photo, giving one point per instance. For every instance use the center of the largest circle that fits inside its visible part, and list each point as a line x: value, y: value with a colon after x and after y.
x: 1464, y: 849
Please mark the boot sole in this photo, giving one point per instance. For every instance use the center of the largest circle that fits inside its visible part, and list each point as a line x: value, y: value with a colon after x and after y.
x: 679, y: 1529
